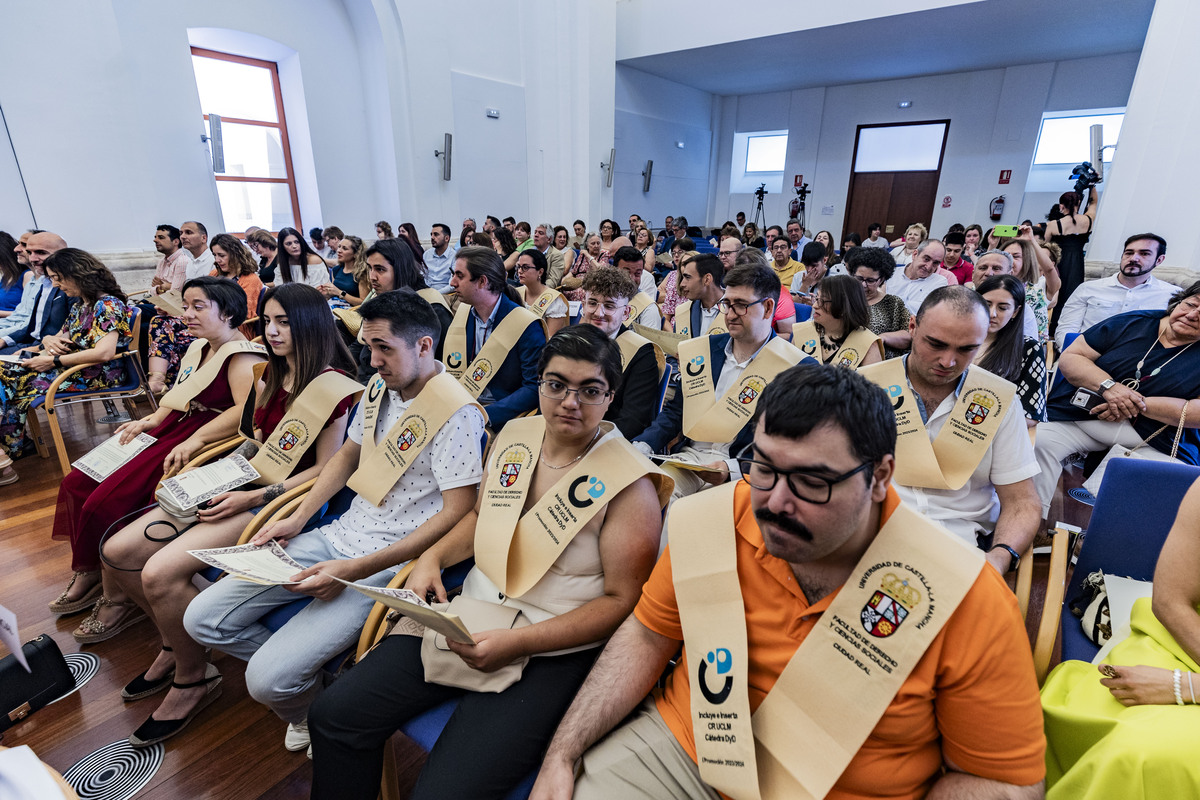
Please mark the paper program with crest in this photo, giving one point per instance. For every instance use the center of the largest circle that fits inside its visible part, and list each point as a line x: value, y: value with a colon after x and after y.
x: 204, y: 483
x: 110, y: 455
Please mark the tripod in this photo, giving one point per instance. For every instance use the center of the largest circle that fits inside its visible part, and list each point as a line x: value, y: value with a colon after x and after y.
x: 798, y: 204
x: 759, y: 220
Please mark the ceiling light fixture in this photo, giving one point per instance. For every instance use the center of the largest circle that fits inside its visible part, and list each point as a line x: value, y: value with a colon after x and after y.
x: 904, y: 104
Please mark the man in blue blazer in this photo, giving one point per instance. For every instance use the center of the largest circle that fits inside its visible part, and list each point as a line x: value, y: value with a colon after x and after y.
x: 749, y: 309
x: 480, y: 280
x: 50, y: 306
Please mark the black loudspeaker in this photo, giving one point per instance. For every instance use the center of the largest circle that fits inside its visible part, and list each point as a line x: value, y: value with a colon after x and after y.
x: 445, y: 155
x: 646, y: 176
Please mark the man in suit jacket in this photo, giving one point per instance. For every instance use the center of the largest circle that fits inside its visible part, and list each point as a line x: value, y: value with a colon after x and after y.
x: 50, y: 306
x: 480, y: 280
x: 543, y: 240
x: 749, y: 308
x: 607, y: 294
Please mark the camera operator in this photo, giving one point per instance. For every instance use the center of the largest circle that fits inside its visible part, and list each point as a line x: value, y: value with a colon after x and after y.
x: 1071, y: 232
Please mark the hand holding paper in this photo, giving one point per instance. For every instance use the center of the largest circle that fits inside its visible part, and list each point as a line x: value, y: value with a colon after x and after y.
x: 408, y: 604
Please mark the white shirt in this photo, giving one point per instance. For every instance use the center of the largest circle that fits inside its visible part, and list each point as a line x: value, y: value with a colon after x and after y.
x: 651, y: 317
x: 731, y: 373
x: 318, y: 275
x: 1096, y: 301
x: 16, y: 322
x: 201, y: 265
x: 880, y: 242
x: 975, y: 506
x: 438, y: 269
x: 914, y: 292
x: 454, y: 458
x: 648, y: 285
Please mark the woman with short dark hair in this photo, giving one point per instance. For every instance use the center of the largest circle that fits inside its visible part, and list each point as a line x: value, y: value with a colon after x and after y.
x: 837, y: 332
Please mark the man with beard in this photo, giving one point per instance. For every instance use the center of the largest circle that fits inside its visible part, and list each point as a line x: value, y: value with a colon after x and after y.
x: 1131, y: 288
x: 783, y: 590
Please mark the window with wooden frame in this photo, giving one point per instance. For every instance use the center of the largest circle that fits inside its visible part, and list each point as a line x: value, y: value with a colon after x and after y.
x: 258, y: 186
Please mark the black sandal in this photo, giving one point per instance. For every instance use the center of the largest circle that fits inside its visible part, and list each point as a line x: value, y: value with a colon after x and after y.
x: 141, y: 687
x: 153, y: 731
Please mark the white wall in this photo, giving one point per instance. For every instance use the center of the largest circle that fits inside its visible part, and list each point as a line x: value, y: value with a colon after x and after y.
x: 663, y: 26
x: 108, y: 129
x: 652, y: 116
x: 995, y: 117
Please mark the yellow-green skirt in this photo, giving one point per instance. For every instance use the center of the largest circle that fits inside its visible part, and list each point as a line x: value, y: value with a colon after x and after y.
x: 1098, y: 748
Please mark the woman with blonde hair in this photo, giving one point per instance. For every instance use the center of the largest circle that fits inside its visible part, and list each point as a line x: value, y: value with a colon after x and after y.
x: 906, y: 250
x: 350, y: 283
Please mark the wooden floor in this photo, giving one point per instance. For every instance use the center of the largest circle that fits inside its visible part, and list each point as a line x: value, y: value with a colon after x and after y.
x: 234, y: 749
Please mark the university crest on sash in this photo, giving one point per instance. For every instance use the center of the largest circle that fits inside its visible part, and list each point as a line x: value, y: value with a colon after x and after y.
x: 982, y: 404
x: 510, y: 469
x: 848, y: 358
x: 751, y: 388
x: 889, y: 606
x: 293, y: 435
x: 412, y: 434
x: 481, y: 370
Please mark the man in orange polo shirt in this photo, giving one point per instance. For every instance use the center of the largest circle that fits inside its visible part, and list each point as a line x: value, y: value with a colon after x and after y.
x: 966, y: 720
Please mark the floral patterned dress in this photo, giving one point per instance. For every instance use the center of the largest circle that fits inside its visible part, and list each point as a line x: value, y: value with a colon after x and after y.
x: 86, y: 325
x: 169, y: 340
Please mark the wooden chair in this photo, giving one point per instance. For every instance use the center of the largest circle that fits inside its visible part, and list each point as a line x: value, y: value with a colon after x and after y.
x: 56, y: 398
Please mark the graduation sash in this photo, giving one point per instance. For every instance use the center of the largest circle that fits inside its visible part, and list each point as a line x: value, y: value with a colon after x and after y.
x: 640, y: 302
x: 629, y: 343
x: 279, y: 454
x: 479, y: 373
x: 853, y: 350
x: 708, y: 418
x: 435, y: 298
x: 544, y: 301
x: 683, y: 322
x: 381, y: 466
x: 514, y: 549
x: 843, y: 676
x: 195, y: 378
x: 950, y: 459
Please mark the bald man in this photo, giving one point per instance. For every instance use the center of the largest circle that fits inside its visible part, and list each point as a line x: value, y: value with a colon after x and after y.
x: 49, y: 306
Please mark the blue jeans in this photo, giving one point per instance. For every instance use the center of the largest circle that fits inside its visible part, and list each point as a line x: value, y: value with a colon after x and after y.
x: 284, y: 669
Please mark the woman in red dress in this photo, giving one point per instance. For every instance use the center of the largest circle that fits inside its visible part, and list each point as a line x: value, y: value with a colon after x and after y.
x: 303, y: 344
x: 86, y: 509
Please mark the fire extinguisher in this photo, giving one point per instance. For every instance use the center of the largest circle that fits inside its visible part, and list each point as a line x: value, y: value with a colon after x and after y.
x: 997, y: 207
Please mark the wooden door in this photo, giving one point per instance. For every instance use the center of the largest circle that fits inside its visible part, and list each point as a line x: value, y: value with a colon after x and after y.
x: 893, y: 199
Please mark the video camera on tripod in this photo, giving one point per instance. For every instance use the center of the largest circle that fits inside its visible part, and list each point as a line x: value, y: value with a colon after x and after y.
x: 761, y: 191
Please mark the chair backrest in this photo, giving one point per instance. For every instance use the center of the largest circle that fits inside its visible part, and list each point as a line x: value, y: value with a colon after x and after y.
x: 1058, y: 376
x: 1134, y: 511
x: 663, y: 385
x: 803, y: 312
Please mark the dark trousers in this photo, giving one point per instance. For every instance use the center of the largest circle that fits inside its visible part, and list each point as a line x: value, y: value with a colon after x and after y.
x: 490, y: 744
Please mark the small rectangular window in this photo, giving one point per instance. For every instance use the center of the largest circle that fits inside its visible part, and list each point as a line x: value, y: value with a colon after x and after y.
x: 900, y: 148
x: 1067, y: 139
x: 257, y: 186
x: 766, y: 153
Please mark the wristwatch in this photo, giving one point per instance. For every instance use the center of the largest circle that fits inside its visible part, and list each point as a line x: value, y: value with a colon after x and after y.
x: 58, y: 362
x: 1016, y: 557
x: 1107, y: 384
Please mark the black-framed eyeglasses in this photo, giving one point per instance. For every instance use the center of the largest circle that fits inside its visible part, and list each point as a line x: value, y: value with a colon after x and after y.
x: 804, y: 484
x: 587, y: 395
x: 865, y: 281
x: 737, y: 306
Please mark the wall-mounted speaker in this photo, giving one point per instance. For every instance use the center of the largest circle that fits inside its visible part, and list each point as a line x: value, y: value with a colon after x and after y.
x: 646, y: 175
x: 444, y: 154
x: 1097, y: 149
x: 217, y: 141
x: 608, y: 168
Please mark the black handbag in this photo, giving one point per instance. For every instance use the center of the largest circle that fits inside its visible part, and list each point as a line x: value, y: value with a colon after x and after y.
x: 21, y: 692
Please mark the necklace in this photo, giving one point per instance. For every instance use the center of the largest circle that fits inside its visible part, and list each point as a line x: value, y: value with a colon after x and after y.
x: 582, y: 453
x: 1136, y: 381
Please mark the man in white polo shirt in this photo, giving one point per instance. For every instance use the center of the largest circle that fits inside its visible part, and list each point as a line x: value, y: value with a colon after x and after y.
x: 1131, y: 288
x: 920, y: 276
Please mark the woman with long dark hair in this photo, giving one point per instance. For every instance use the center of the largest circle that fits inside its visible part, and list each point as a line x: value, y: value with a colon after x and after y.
x: 1006, y: 352
x: 504, y: 243
x: 97, y: 325
x: 1071, y: 233
x: 302, y: 347
x: 296, y: 262
x: 200, y: 412
x: 13, y: 276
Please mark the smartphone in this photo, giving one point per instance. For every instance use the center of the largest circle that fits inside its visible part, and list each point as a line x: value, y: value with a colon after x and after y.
x: 1004, y: 231
x: 1086, y: 399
